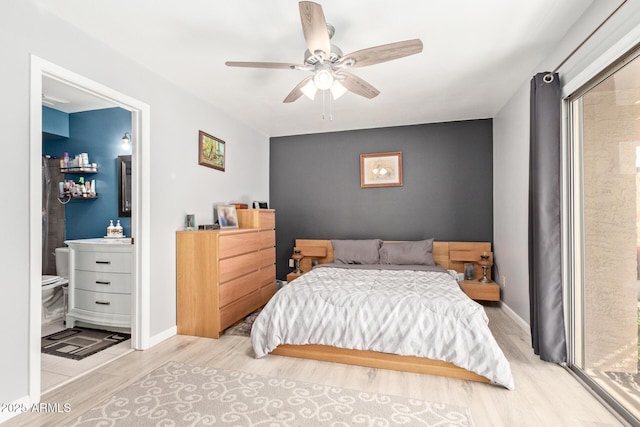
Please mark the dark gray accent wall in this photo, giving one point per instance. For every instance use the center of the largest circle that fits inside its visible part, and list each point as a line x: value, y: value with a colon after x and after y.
x: 447, y: 192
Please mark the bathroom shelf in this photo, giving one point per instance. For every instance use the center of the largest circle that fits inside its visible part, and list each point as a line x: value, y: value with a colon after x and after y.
x: 80, y: 169
x: 68, y: 197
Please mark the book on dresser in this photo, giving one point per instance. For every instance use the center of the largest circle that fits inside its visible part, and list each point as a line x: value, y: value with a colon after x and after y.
x: 224, y: 275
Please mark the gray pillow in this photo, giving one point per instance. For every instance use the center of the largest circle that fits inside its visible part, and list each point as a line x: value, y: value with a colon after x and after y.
x: 408, y: 253
x: 356, y: 251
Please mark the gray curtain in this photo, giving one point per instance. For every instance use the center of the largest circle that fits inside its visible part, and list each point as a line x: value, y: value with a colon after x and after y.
x: 545, y: 268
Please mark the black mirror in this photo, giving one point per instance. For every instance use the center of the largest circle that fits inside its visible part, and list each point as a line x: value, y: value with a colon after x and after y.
x: 124, y: 186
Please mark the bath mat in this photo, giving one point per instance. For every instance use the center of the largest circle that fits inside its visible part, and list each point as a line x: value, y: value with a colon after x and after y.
x: 178, y: 394
x: 78, y: 343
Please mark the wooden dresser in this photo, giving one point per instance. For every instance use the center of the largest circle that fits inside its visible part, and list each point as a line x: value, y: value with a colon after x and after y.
x: 223, y: 275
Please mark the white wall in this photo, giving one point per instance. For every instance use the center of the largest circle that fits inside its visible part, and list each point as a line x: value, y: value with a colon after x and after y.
x: 511, y: 137
x: 511, y: 201
x: 178, y: 184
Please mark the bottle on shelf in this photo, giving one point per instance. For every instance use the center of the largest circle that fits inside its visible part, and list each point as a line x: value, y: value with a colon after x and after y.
x: 110, y: 229
x: 118, y: 229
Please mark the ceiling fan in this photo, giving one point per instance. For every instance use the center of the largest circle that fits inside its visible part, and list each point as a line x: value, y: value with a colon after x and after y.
x: 327, y: 63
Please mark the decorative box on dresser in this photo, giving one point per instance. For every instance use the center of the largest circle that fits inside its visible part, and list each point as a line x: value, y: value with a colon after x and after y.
x: 100, y: 283
x: 223, y: 275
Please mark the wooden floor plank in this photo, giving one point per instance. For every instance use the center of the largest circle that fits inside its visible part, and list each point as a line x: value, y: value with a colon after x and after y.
x: 545, y: 394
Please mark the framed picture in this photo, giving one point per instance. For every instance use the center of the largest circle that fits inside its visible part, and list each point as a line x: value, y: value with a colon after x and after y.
x: 211, y: 151
x: 227, y: 216
x: 381, y: 170
x: 260, y: 205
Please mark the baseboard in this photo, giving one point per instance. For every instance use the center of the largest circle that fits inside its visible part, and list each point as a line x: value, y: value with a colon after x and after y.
x: 158, y: 338
x: 15, y: 408
x: 516, y: 318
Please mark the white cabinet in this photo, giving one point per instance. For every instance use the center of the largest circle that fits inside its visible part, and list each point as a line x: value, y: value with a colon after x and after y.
x: 100, y: 283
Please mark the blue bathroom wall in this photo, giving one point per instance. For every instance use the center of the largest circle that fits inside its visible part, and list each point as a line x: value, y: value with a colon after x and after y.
x: 99, y: 134
x: 55, y: 124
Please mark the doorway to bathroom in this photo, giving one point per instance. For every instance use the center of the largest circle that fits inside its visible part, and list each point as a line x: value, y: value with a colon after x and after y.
x: 81, y: 147
x: 133, y: 115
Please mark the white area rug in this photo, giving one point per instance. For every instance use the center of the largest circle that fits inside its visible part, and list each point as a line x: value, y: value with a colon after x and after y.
x: 178, y: 394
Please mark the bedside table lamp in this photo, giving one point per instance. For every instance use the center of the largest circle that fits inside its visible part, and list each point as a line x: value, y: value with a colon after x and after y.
x: 485, y: 262
x: 297, y: 256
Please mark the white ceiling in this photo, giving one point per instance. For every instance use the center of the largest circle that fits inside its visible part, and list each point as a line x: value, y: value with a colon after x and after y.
x: 477, y: 53
x: 61, y: 96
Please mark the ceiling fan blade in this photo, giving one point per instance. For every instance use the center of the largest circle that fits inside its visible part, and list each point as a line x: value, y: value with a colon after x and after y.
x: 314, y: 27
x: 296, y: 92
x: 262, y: 65
x: 358, y: 86
x: 383, y: 53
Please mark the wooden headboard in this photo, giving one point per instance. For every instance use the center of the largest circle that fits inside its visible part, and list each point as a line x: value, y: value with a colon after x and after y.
x: 450, y: 255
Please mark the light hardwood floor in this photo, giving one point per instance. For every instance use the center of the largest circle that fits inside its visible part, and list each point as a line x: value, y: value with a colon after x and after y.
x: 545, y: 394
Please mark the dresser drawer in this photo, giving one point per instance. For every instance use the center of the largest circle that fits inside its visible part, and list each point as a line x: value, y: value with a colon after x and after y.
x: 237, y: 310
x: 267, y: 257
x: 113, y: 262
x: 234, y: 244
x: 230, y: 268
x: 267, y: 238
x: 118, y: 283
x: 267, y: 219
x: 267, y: 291
x: 102, y: 302
x: 237, y: 288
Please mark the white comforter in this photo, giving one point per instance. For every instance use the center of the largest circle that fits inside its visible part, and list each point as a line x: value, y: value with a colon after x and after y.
x: 418, y: 313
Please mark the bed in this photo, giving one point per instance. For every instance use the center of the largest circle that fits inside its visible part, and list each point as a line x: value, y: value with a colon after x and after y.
x: 394, y: 306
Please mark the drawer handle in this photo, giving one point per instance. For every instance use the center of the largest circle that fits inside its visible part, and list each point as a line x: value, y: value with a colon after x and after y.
x: 99, y: 282
x: 103, y: 302
x: 103, y: 262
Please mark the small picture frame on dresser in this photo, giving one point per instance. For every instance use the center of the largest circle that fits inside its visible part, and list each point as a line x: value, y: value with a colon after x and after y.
x: 227, y: 216
x: 469, y: 271
x: 260, y: 205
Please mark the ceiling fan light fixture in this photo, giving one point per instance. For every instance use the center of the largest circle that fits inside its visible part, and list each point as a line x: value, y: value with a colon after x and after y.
x: 328, y: 64
x: 323, y: 79
x: 337, y: 89
x: 309, y: 89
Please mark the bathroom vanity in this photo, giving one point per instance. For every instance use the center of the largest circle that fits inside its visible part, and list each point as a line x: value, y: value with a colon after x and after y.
x: 100, y: 282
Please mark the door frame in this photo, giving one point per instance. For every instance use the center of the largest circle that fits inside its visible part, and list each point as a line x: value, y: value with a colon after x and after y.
x: 140, y: 218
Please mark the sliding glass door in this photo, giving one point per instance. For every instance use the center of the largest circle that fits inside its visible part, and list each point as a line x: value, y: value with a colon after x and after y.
x: 604, y: 206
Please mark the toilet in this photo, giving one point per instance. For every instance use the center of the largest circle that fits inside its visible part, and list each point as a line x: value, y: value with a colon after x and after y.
x: 53, y: 288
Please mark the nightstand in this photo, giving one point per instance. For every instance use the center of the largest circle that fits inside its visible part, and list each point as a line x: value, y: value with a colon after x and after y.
x: 292, y: 276
x: 481, y: 291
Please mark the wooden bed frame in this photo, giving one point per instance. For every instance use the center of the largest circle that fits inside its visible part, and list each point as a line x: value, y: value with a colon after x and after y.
x: 450, y: 255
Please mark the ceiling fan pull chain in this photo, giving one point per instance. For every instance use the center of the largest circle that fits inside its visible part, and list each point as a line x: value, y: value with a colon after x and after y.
x: 324, y: 108
x: 330, y: 105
